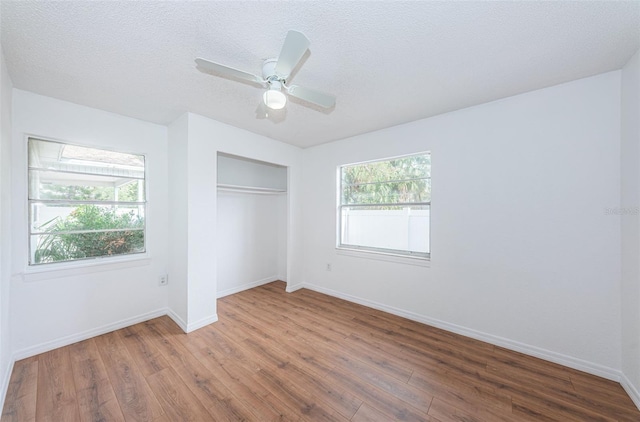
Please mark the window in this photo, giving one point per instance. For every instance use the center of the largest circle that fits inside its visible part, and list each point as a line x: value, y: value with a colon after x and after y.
x: 84, y: 202
x: 385, y: 206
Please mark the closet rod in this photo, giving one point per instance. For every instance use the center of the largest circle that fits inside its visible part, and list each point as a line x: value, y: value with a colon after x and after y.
x: 250, y: 189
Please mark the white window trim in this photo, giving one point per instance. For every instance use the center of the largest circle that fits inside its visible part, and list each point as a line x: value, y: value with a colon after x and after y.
x: 84, y: 266
x: 384, y: 256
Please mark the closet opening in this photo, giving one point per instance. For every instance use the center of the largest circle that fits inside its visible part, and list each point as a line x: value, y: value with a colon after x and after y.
x: 252, y: 216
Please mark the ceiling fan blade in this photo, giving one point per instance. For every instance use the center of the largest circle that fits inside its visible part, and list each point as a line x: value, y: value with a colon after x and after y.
x: 294, y: 47
x: 227, y: 71
x: 312, y: 96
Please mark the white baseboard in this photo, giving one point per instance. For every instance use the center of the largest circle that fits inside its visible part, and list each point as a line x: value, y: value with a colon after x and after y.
x: 569, y: 361
x: 6, y: 377
x: 631, y: 390
x: 187, y: 328
x: 201, y: 323
x: 291, y: 289
x: 247, y: 286
x: 65, y: 341
x: 176, y: 318
x: 74, y: 338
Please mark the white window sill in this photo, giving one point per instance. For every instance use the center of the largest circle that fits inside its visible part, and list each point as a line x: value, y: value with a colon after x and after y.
x: 70, y: 269
x: 381, y: 256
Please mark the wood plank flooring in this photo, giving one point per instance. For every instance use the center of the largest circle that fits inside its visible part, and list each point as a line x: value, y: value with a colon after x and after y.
x: 301, y: 356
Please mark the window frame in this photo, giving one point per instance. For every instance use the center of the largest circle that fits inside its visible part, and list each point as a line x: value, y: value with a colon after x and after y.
x: 117, y: 259
x: 380, y: 253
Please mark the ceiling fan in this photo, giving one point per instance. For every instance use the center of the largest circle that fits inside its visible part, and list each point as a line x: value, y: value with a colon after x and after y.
x: 275, y: 74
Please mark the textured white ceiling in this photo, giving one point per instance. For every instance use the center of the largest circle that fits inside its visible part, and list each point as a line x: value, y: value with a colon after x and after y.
x: 387, y: 62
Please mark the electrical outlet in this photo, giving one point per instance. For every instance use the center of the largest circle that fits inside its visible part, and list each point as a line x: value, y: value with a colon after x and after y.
x: 328, y: 266
x: 163, y: 280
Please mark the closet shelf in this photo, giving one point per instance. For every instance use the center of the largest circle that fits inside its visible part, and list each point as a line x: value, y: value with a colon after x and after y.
x: 250, y: 189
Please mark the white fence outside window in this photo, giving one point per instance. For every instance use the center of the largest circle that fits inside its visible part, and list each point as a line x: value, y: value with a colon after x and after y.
x: 403, y: 229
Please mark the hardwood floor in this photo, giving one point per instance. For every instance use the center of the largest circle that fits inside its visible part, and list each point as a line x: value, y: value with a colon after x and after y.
x: 301, y: 356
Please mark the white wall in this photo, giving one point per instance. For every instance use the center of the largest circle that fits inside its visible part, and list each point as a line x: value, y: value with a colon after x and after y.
x: 630, y: 227
x: 55, y: 307
x: 249, y: 230
x: 6, y: 360
x: 204, y: 138
x: 523, y: 252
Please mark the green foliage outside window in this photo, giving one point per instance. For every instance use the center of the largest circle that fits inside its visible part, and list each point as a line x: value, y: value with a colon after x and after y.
x: 60, y: 245
x: 401, y: 180
x: 126, y: 193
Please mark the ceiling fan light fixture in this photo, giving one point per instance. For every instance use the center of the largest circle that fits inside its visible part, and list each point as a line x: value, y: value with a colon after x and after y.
x: 274, y: 99
x: 275, y: 74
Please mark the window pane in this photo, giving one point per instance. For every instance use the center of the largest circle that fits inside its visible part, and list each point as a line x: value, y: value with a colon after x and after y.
x: 72, y: 158
x: 384, y: 205
x: 79, y: 202
x: 413, y: 167
x: 395, y: 229
x: 71, y: 217
x: 403, y: 191
x: 52, y: 185
x: 405, y: 179
x: 67, y: 247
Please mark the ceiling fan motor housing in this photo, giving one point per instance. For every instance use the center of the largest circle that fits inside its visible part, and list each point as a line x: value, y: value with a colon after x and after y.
x: 269, y: 70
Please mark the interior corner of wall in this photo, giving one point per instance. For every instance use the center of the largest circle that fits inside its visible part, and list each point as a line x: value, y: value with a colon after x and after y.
x: 176, y: 318
x: 6, y: 376
x: 632, y: 390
